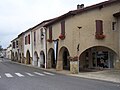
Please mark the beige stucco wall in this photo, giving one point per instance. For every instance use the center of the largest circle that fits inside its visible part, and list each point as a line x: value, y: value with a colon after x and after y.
x: 21, y: 47
x: 86, y: 35
x: 40, y: 44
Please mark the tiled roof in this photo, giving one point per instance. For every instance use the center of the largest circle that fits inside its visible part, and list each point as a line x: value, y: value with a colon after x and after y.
x: 74, y: 12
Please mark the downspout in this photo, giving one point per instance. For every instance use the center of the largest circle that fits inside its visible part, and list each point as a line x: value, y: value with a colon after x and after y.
x: 32, y: 47
x: 46, y: 46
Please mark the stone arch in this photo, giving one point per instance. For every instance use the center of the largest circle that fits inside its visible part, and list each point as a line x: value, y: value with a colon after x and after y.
x: 16, y: 56
x: 51, y: 58
x: 91, y: 58
x: 28, y: 59
x: 12, y: 56
x: 63, y: 58
x: 35, y: 60
x: 42, y: 59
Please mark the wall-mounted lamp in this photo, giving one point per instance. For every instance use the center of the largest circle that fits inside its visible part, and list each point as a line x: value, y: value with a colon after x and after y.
x: 79, y: 27
x: 42, y: 36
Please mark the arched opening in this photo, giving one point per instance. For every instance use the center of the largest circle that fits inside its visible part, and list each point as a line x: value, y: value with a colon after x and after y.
x: 35, y: 59
x: 42, y: 59
x: 12, y: 56
x: 97, y: 57
x: 16, y: 56
x: 63, y: 54
x: 51, y: 58
x: 28, y: 61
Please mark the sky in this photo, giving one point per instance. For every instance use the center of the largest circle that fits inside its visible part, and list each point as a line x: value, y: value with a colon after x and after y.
x: 17, y: 16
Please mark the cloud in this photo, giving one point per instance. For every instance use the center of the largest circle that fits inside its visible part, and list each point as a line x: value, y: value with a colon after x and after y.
x: 17, y: 16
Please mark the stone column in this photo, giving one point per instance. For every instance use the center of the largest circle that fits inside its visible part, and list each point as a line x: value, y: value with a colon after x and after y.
x: 74, y: 68
x: 48, y: 63
x: 59, y: 65
x: 74, y: 65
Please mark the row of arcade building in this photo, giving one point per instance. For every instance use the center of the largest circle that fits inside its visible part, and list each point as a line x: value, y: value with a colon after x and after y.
x: 85, y: 38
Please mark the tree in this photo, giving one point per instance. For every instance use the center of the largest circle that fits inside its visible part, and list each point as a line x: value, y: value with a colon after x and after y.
x: 1, y: 48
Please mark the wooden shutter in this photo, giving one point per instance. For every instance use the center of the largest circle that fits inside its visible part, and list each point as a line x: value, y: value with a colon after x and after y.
x: 29, y: 39
x: 25, y: 40
x: 34, y: 36
x: 50, y: 32
x: 63, y: 27
x: 99, y: 27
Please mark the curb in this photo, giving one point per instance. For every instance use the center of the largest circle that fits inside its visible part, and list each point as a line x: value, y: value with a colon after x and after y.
x: 95, y: 77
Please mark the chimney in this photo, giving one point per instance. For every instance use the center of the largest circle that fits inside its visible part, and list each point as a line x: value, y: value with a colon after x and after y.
x: 80, y: 6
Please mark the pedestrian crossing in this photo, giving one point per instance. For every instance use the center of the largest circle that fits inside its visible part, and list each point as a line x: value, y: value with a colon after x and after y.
x: 24, y: 74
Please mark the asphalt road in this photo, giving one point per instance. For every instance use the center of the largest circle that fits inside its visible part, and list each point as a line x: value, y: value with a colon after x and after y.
x: 19, y: 77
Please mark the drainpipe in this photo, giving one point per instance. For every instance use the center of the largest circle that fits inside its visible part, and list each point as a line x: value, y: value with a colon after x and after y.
x: 45, y: 47
x: 32, y: 47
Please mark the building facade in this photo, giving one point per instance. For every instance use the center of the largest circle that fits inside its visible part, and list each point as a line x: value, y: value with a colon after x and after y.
x: 89, y: 33
x: 21, y: 48
x: 15, y: 50
x: 85, y: 38
x: 28, y: 51
x: 39, y: 44
x: 9, y: 52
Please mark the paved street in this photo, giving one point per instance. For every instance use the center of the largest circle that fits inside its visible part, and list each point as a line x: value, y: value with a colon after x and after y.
x: 19, y: 77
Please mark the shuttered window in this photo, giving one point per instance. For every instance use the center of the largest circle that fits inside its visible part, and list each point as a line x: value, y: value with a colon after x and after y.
x: 99, y: 27
x: 26, y: 40
x: 63, y: 27
x: 13, y: 44
x: 34, y: 38
x: 50, y: 32
x: 29, y: 39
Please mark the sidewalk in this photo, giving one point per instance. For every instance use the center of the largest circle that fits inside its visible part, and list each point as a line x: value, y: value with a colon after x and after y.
x: 111, y: 75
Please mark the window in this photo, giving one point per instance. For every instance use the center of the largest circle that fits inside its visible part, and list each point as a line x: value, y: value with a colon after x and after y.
x: 16, y: 44
x: 41, y: 34
x: 99, y: 30
x: 34, y: 38
x: 63, y: 27
x: 50, y: 32
x: 26, y: 40
x: 29, y: 39
x: 99, y: 27
x: 113, y: 26
x: 62, y: 35
x: 13, y: 44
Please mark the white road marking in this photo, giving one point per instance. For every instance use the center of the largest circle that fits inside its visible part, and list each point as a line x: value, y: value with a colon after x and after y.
x: 0, y: 76
x: 29, y: 74
x: 48, y: 73
x: 39, y: 74
x: 8, y: 75
x: 20, y: 75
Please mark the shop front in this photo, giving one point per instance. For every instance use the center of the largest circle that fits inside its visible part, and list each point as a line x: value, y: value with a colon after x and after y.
x: 96, y: 58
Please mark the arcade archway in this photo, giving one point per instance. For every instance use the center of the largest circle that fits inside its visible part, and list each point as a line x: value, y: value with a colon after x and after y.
x: 97, y: 57
x: 28, y: 61
x: 42, y: 59
x: 63, y: 55
x: 51, y: 58
x: 35, y: 60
